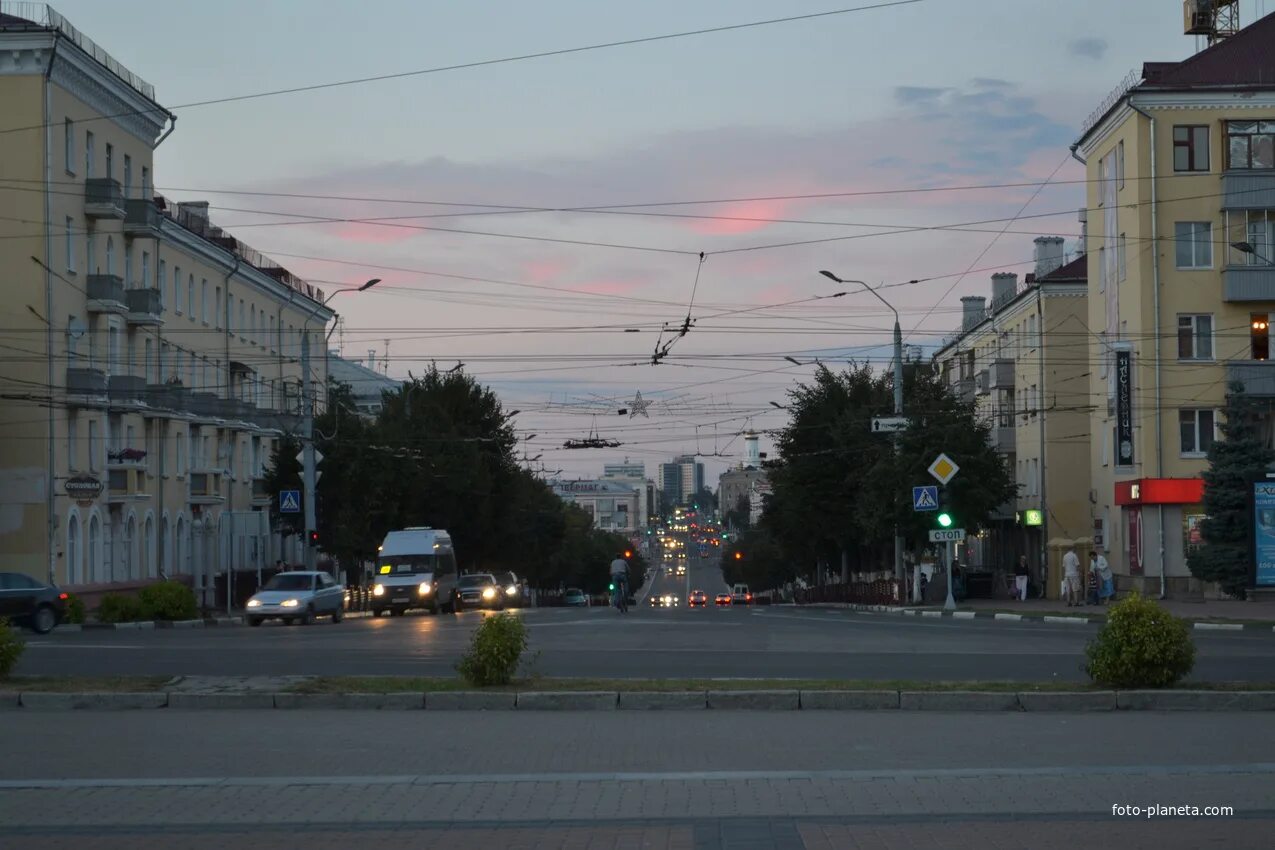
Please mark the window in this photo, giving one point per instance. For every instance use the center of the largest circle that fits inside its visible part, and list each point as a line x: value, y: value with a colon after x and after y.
x: 252, y: 322
x: 146, y: 269
x: 110, y: 255
x: 1261, y: 235
x: 217, y: 300
x: 70, y: 245
x: 1190, y: 148
x: 163, y: 279
x: 180, y: 451
x: 1196, y: 427
x: 152, y: 373
x: 88, y: 154
x: 203, y: 300
x: 93, y: 447
x: 1120, y: 163
x: 1122, y: 270
x: 1259, y: 336
x: 1194, y: 244
x: 243, y: 319
x: 146, y: 183
x: 90, y: 254
x: 190, y: 297
x: 1102, y: 180
x: 72, y: 443
x: 68, y: 145
x: 177, y: 289
x: 1195, y: 337
x: 1034, y: 400
x: 274, y: 343
x: 1250, y: 144
x: 128, y: 266
x: 128, y: 175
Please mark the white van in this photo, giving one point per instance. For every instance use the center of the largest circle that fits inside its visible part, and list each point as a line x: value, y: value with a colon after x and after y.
x: 415, y: 568
x: 741, y: 595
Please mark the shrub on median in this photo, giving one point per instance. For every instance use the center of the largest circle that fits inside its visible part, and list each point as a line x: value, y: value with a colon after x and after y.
x: 1141, y: 646
x: 168, y: 600
x: 120, y: 608
x: 11, y: 647
x: 74, y: 609
x: 494, y: 651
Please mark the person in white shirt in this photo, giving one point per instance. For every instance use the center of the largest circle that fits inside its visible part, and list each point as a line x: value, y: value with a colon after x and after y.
x: 1071, y: 577
x: 1106, y: 585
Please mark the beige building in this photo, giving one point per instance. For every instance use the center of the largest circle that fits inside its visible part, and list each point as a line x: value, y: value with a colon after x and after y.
x: 1023, y: 362
x: 1181, y: 167
x: 151, y: 359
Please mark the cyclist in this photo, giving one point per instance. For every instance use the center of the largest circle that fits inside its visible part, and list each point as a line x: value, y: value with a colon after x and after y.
x: 620, y: 578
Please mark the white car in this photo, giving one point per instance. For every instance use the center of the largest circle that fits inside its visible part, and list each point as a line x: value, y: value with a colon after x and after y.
x: 297, y: 595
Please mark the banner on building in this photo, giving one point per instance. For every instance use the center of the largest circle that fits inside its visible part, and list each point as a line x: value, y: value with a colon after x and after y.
x: 1264, y: 533
x: 1124, y: 408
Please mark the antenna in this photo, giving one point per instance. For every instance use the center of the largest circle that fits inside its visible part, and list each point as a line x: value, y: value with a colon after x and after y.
x: 385, y: 364
x: 340, y: 336
x: 1213, y: 19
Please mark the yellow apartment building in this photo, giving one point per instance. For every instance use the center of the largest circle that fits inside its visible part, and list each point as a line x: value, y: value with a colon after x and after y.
x: 149, y: 361
x: 1180, y: 161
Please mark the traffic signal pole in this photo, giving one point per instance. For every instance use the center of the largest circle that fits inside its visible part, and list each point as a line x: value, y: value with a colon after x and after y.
x: 898, y: 411
x: 307, y: 437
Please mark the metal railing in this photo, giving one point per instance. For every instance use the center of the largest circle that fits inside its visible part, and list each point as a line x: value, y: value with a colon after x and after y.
x: 881, y: 592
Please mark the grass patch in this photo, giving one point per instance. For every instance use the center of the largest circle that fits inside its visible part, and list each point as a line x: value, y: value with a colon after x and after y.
x: 84, y: 684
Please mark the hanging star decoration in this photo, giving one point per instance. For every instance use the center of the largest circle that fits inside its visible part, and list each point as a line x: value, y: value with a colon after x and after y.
x: 639, y: 405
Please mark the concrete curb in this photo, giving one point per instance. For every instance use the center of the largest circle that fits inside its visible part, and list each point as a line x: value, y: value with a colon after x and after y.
x: 93, y: 702
x: 1014, y: 618
x: 1220, y: 627
x: 1061, y: 701
x: 568, y: 701
x: 199, y: 700
x: 663, y: 700
x: 1072, y: 620
x: 1203, y: 625
x: 1196, y: 700
x: 350, y: 701
x: 958, y: 700
x: 848, y: 700
x: 470, y: 701
x: 755, y: 700
x: 179, y: 624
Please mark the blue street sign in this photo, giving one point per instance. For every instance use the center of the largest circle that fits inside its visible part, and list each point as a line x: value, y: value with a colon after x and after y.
x: 925, y: 498
x: 289, y: 501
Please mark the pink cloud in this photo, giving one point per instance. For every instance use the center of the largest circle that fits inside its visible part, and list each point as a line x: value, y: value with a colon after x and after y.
x: 607, y: 287
x: 372, y: 234
x: 540, y: 271
x: 737, y: 217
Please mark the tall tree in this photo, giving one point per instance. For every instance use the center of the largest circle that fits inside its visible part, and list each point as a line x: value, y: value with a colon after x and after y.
x: 1234, y: 462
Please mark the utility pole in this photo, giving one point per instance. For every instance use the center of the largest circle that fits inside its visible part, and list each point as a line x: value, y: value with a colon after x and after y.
x: 307, y: 449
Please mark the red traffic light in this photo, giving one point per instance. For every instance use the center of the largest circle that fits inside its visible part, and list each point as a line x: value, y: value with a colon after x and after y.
x: 739, y: 556
x: 314, y: 538
x: 628, y: 553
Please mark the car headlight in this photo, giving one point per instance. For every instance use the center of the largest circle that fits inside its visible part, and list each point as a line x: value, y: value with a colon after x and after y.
x: 378, y: 590
x: 254, y: 603
x: 424, y: 588
x: 289, y: 603
x: 511, y: 589
x: 489, y: 593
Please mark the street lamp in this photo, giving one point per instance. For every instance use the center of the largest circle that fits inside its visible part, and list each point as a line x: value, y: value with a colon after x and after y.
x: 1247, y: 248
x: 898, y: 397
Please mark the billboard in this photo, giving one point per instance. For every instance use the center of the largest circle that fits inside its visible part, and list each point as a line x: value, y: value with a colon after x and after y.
x: 1124, y: 408
x: 1264, y: 533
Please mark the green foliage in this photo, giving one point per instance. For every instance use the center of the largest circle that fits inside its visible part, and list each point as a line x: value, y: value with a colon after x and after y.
x: 761, y: 564
x: 120, y: 608
x: 1141, y: 646
x: 1234, y: 462
x: 74, y: 609
x: 168, y: 600
x: 494, y: 651
x: 11, y: 648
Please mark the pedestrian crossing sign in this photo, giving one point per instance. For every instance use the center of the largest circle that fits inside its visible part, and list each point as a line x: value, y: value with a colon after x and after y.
x: 289, y: 501
x: 925, y: 498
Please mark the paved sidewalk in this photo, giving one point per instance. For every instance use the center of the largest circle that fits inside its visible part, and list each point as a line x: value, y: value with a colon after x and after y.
x: 1212, y: 609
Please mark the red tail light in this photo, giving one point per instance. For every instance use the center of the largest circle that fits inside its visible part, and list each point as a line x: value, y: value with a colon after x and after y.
x: 64, y: 596
x: 749, y: 597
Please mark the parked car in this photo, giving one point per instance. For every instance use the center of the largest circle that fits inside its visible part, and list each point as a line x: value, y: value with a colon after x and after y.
x: 297, y: 595
x: 512, y: 588
x: 479, y: 590
x: 31, y: 602
x: 575, y: 598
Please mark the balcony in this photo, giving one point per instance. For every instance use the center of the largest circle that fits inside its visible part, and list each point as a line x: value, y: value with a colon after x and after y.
x: 1002, y: 374
x: 982, y: 383
x: 125, y: 484
x: 143, y: 307
x: 1248, y: 190
x: 1005, y: 441
x: 106, y: 294
x: 164, y: 400
x: 205, y: 405
x: 126, y: 390
x: 1257, y: 376
x: 965, y: 390
x: 103, y: 198
x: 126, y: 459
x: 1248, y: 283
x: 142, y: 218
x: 261, y: 496
x: 85, y: 382
x: 205, y: 488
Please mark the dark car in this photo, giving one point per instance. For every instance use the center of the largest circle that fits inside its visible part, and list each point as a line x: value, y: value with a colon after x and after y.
x: 575, y: 598
x: 511, y: 589
x: 31, y: 602
x: 479, y: 590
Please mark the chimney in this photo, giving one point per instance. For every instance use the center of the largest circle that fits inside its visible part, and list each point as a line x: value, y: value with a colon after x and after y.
x: 1049, y: 254
x: 1004, y: 285
x: 752, y: 455
x: 193, y: 214
x: 371, y: 359
x: 973, y: 311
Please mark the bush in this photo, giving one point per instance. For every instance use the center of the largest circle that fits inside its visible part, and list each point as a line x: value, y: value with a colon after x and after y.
x: 494, y: 651
x: 168, y: 600
x: 1141, y: 646
x: 74, y: 609
x: 11, y: 647
x: 120, y: 608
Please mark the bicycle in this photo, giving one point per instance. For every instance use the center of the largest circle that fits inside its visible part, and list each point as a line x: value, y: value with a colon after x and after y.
x: 621, y: 600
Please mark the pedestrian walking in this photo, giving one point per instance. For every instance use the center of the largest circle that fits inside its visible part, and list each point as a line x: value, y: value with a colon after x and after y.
x: 1099, y: 567
x: 1071, y: 577
x: 1020, y: 579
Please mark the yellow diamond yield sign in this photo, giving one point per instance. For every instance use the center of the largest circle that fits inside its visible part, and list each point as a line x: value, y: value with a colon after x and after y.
x: 944, y: 469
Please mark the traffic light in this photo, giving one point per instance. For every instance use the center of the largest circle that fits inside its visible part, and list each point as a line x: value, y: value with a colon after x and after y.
x: 739, y: 556
x: 944, y: 519
x: 944, y: 516
x: 611, y: 587
x: 314, y: 538
x: 628, y: 553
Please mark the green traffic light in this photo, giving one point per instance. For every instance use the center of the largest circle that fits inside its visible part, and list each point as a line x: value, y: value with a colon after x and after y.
x: 945, y: 519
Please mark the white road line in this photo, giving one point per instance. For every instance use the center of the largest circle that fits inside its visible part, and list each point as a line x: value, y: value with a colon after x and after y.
x: 86, y: 646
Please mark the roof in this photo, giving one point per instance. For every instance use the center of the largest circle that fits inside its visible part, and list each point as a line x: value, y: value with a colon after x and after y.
x: 1244, y: 59
x: 1077, y: 269
x: 364, y: 382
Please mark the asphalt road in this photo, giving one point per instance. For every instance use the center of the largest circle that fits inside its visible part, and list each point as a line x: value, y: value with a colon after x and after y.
x: 729, y: 780
x: 762, y: 641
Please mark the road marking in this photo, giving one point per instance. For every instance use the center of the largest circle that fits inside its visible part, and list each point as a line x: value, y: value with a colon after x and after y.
x: 1077, y: 620
x: 41, y: 645
x: 1220, y: 627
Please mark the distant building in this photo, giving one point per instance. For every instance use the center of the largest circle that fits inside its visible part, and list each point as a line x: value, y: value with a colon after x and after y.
x: 366, y: 384
x: 612, y: 505
x: 736, y: 484
x: 681, y: 479
x: 634, y: 475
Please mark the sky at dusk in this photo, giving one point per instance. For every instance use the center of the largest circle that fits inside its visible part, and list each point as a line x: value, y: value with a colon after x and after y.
x: 479, y: 178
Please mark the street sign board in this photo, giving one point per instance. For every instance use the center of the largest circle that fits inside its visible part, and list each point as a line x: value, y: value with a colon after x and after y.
x: 883, y: 424
x: 925, y: 498
x: 943, y: 469
x: 947, y: 535
x: 1033, y: 516
x: 318, y: 457
x: 289, y: 501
